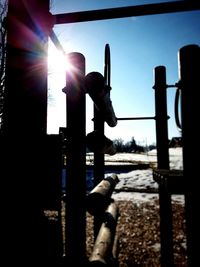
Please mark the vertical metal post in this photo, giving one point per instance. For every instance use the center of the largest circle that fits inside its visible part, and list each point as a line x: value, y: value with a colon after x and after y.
x: 98, y: 163
x: 25, y: 109
x: 161, y: 117
x: 24, y: 130
x: 189, y: 64
x: 76, y: 161
x: 98, y: 157
x: 166, y: 234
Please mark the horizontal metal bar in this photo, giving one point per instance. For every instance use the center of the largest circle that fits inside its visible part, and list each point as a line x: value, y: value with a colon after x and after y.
x: 128, y: 11
x: 136, y: 118
x: 56, y: 42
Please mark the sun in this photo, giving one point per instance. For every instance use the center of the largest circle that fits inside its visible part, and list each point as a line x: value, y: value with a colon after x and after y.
x: 58, y: 65
x: 57, y: 61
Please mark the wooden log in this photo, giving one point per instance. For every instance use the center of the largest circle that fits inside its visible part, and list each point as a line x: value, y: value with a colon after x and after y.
x: 98, y: 142
x: 115, y: 248
x: 102, y: 253
x: 100, y: 93
x: 99, y: 198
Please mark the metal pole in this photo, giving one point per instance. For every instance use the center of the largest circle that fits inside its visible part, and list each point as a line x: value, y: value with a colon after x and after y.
x: 128, y: 11
x: 25, y: 109
x: 161, y: 117
x: 189, y: 64
x: 24, y: 130
x: 76, y: 162
x: 136, y: 118
x: 166, y: 234
x: 98, y: 163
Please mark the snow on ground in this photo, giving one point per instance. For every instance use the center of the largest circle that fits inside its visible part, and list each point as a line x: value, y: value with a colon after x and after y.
x: 138, y: 185
x: 134, y: 196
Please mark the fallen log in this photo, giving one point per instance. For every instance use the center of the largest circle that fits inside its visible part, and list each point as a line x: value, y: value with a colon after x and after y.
x: 105, y: 244
x: 100, y: 196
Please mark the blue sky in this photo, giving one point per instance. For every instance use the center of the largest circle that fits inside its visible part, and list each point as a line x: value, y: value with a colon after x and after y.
x: 138, y: 45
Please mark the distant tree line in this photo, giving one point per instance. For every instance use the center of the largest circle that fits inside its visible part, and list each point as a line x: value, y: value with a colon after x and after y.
x: 131, y: 146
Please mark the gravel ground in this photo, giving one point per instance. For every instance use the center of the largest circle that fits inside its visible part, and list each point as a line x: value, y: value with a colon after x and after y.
x: 138, y: 234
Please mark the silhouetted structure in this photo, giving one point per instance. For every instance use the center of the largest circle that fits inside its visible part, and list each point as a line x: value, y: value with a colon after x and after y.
x: 27, y: 153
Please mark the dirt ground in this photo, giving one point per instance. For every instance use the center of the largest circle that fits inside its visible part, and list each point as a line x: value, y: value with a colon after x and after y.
x: 139, y: 237
x: 138, y: 234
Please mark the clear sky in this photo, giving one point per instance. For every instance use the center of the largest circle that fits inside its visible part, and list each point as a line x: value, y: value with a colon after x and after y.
x: 137, y: 45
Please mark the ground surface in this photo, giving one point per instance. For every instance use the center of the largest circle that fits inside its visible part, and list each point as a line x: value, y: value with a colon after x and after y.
x: 138, y: 234
x: 138, y: 231
x: 138, y: 226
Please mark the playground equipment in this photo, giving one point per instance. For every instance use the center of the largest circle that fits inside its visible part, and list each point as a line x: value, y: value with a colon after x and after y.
x: 180, y: 182
x: 102, y: 253
x: 25, y: 147
x: 99, y: 198
x: 97, y: 142
x: 99, y: 92
x: 76, y: 87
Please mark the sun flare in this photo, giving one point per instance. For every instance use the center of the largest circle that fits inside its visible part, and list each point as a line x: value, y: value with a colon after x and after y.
x: 57, y: 61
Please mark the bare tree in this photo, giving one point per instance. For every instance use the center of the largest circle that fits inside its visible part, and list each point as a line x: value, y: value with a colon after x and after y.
x: 3, y: 13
